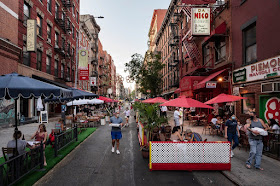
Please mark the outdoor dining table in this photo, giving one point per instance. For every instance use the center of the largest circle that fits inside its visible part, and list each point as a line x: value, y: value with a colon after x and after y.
x: 198, y: 118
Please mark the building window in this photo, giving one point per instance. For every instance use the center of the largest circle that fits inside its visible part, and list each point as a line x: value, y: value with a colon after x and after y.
x: 49, y: 5
x: 73, y: 10
x: 250, y: 44
x: 56, y: 68
x: 249, y: 103
x: 73, y: 32
x: 56, y: 11
x: 48, y: 64
x: 26, y: 57
x: 220, y: 49
x: 39, y: 25
x: 56, y: 39
x: 68, y: 72
x: 63, y: 17
x: 26, y: 12
x: 68, y: 49
x: 63, y: 44
x: 39, y: 60
x: 77, y: 17
x: 62, y: 70
x: 49, y: 33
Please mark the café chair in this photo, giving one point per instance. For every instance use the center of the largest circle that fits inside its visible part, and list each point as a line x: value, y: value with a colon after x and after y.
x: 7, y: 151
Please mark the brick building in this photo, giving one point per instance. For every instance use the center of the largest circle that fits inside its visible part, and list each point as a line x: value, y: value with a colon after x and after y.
x: 256, y: 56
x: 88, y: 39
x: 54, y: 59
x: 10, y: 53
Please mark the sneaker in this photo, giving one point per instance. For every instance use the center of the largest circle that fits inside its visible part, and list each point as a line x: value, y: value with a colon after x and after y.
x: 113, y: 149
x: 118, y: 152
x: 232, y: 154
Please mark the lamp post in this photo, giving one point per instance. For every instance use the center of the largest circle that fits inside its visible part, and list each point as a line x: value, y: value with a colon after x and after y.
x: 77, y: 50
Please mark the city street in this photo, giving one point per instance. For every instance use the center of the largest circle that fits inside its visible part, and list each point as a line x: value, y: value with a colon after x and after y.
x: 93, y: 163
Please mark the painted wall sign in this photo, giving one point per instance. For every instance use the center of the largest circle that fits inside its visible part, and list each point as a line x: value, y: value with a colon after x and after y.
x: 31, y: 35
x: 211, y: 84
x: 260, y: 70
x: 83, y: 59
x: 200, y: 21
x: 270, y: 107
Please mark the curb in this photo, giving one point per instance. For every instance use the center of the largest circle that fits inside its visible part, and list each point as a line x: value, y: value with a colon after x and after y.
x: 231, y: 177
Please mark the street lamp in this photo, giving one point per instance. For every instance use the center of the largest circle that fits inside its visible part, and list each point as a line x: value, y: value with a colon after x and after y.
x: 77, y: 50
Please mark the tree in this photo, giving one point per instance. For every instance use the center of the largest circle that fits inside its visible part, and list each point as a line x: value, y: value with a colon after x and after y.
x: 146, y: 72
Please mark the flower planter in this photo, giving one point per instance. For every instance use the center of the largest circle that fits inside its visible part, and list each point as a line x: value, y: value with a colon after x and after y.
x: 145, y: 152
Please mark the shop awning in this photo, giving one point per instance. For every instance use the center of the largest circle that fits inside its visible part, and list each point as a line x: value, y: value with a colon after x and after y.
x: 188, y: 82
x: 217, y: 32
x: 202, y: 83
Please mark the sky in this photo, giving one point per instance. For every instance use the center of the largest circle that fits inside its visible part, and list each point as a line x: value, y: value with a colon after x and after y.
x: 125, y: 27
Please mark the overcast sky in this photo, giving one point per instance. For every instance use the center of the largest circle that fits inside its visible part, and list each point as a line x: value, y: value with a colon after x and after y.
x: 124, y: 30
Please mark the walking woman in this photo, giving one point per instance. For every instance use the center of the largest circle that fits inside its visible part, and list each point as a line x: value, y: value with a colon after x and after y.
x: 232, y: 132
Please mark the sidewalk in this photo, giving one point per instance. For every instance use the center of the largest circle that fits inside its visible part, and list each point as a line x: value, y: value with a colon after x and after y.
x: 239, y: 173
x: 6, y: 134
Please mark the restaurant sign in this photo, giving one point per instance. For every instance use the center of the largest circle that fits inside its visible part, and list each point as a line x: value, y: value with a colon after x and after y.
x: 258, y: 71
x: 31, y: 35
x: 211, y: 84
x: 239, y: 75
x: 200, y: 21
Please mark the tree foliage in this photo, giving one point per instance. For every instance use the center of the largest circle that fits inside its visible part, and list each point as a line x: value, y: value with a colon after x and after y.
x: 146, y: 72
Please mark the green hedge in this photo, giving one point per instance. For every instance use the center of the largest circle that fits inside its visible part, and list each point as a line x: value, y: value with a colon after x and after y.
x: 34, y: 176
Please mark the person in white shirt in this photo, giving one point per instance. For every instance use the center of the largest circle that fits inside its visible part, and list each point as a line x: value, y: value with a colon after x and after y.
x: 274, y: 126
x: 181, y: 120
x: 163, y: 111
x: 127, y: 114
x: 177, y: 116
x: 192, y: 110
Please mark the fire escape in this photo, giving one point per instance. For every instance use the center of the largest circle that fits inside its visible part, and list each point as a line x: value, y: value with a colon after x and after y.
x: 173, y: 61
x: 67, y: 53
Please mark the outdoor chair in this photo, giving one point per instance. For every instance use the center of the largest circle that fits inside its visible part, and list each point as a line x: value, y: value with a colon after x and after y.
x: 214, y: 129
x: 167, y: 133
x: 206, y: 127
x: 155, y: 134
x: 7, y: 151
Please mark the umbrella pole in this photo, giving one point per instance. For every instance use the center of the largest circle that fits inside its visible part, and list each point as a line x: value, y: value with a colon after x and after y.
x: 16, y: 123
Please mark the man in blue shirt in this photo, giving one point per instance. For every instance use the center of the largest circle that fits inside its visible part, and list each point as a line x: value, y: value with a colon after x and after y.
x: 116, y: 132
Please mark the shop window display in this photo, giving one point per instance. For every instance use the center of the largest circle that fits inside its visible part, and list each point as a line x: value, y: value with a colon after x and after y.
x: 249, y: 103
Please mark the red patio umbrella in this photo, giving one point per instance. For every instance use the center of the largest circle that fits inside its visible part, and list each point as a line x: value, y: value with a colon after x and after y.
x: 221, y: 98
x: 105, y: 99
x: 147, y: 100
x: 182, y: 101
x: 157, y: 100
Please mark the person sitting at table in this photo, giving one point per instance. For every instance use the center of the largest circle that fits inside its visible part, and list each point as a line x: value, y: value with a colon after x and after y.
x: 192, y: 136
x: 60, y: 125
x: 175, y: 136
x: 41, y: 135
x: 274, y: 126
x: 21, y: 144
x: 216, y: 120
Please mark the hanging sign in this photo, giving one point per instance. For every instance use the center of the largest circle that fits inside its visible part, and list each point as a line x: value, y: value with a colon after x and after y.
x: 239, y: 75
x: 200, y: 21
x: 84, y: 74
x: 31, y: 35
x: 93, y: 82
x: 83, y: 59
x: 211, y: 84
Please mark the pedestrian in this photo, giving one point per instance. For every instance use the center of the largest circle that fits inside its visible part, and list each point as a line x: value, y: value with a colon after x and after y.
x: 232, y: 132
x: 116, y: 132
x: 192, y: 110
x: 41, y: 135
x: 181, y: 120
x: 127, y: 114
x: 177, y: 116
x: 192, y: 136
x: 163, y: 111
x: 255, y: 141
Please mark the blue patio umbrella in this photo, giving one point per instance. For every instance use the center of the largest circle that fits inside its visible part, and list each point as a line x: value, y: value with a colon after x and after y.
x: 13, y: 86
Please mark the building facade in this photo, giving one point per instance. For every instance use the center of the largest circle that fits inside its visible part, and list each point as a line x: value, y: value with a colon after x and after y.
x: 256, y: 56
x: 88, y: 40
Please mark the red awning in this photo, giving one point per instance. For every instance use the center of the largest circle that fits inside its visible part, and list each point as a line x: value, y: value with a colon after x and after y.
x: 219, y: 31
x: 188, y: 82
x: 202, y: 83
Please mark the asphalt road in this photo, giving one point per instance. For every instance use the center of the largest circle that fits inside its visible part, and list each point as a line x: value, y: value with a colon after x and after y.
x: 93, y: 163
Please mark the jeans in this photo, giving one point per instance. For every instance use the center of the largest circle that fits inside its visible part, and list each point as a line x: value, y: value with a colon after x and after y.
x: 256, y: 148
x: 234, y: 137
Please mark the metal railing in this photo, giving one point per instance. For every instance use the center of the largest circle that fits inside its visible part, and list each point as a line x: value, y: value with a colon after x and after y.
x: 271, y: 144
x: 63, y: 139
x: 16, y: 168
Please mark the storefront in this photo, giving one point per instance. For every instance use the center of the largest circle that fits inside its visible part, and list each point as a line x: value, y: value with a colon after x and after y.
x: 260, y: 83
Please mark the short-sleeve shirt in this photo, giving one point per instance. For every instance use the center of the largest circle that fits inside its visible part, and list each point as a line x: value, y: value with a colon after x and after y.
x: 176, y: 114
x: 21, y: 144
x: 231, y: 124
x: 163, y: 109
x: 118, y: 120
x: 127, y: 112
x: 214, y: 120
x: 196, y: 137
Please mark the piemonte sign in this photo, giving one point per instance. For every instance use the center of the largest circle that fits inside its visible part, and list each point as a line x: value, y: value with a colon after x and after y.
x: 258, y: 71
